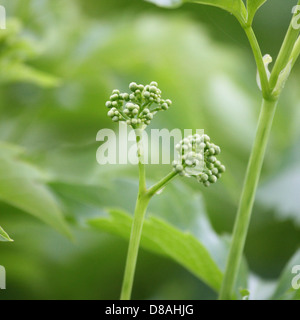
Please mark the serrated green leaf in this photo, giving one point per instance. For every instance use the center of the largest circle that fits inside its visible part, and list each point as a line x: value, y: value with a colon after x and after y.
x: 21, y: 185
x: 236, y: 7
x: 4, y: 236
x: 162, y: 238
x: 252, y: 7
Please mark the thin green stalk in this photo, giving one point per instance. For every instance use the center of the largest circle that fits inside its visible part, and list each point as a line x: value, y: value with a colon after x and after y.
x: 137, y: 224
x: 247, y: 198
x: 142, y: 202
x: 158, y: 186
x: 259, y: 61
x: 134, y: 242
x: 296, y: 52
x: 285, y: 52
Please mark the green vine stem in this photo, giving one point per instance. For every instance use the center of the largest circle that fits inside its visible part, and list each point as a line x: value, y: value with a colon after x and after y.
x: 144, y: 196
x: 134, y: 242
x: 247, y: 198
x: 290, y: 49
x: 259, y: 60
x: 285, y: 51
x: 137, y: 225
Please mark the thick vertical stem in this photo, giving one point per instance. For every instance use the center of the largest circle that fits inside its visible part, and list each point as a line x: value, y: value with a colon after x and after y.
x: 247, y: 198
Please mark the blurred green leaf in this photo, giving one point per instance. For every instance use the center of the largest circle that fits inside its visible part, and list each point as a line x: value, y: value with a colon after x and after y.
x: 252, y: 7
x: 284, y: 289
x: 167, y: 3
x: 4, y: 236
x: 16, y: 72
x: 21, y: 185
x: 281, y: 193
x: 235, y: 7
x: 15, y: 50
x: 160, y: 237
x: 179, y: 205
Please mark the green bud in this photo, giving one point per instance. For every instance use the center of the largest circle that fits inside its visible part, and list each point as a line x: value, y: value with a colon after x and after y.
x: 213, y: 179
x: 133, y: 86
x: 169, y: 102
x: 108, y: 104
x: 222, y: 169
x: 153, y: 89
x: 125, y: 96
x: 147, y: 94
x: 164, y: 106
x: 114, y: 97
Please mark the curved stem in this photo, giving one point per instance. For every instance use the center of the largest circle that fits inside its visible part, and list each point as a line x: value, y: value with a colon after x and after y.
x: 158, y: 186
x: 142, y: 202
x: 247, y: 198
x: 285, y: 51
x: 296, y: 52
x: 259, y: 61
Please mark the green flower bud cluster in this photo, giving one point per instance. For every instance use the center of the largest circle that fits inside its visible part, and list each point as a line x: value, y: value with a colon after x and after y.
x: 197, y: 158
x: 137, y: 108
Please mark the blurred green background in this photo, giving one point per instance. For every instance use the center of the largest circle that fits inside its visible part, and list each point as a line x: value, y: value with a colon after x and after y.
x: 60, y: 59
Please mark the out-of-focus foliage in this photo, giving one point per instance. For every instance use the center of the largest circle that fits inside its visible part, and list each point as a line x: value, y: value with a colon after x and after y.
x: 93, y: 47
x: 4, y: 236
x: 14, y: 51
x: 21, y: 186
x: 235, y: 7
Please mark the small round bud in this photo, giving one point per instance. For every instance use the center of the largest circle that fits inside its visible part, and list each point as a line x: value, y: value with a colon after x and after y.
x: 179, y: 168
x: 108, y: 104
x: 149, y: 116
x: 169, y: 102
x: 213, y: 179
x: 215, y: 171
x: 114, y: 97
x: 147, y: 94
x: 206, y: 138
x: 212, y: 159
x: 204, y: 177
x: 222, y: 169
x: 164, y: 106
x: 217, y: 150
x: 152, y: 89
x: 133, y: 86
x: 206, y: 184
x: 125, y: 96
